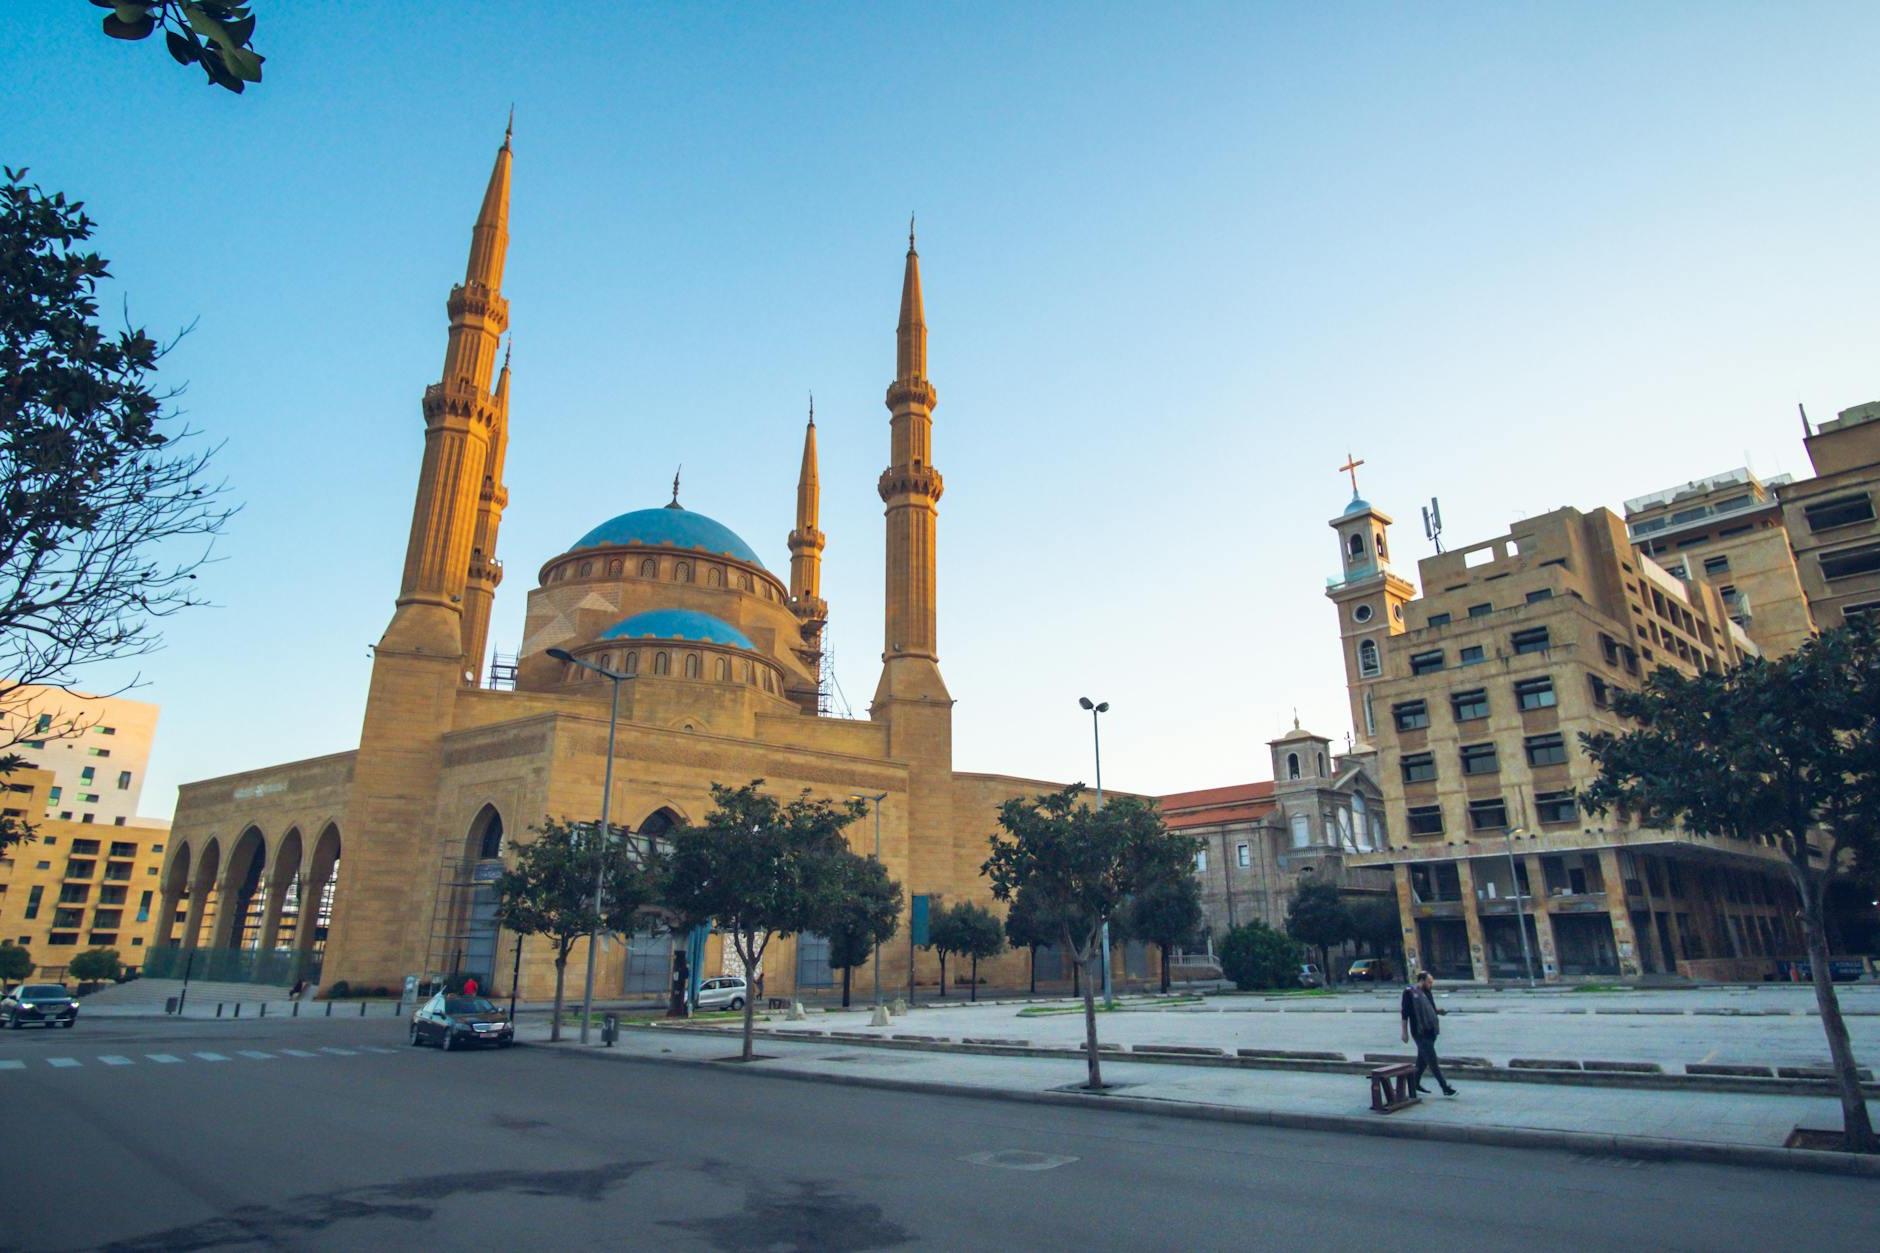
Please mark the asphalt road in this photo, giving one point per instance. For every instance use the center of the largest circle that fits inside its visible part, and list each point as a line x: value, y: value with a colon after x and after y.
x: 333, y: 1134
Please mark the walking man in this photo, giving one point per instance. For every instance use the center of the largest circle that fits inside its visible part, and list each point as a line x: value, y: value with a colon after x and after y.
x: 1420, y: 1013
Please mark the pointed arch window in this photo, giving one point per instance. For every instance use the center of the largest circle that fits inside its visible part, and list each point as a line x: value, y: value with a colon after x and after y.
x: 649, y: 569
x: 744, y: 581
x: 587, y: 568
x: 723, y: 670
x: 632, y: 664
x: 749, y: 676
x: 715, y: 577
x: 615, y: 566
x: 662, y: 664
x: 691, y: 665
x: 682, y: 572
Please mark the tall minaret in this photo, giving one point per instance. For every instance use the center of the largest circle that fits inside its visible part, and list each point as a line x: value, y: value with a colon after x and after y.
x: 461, y: 417
x: 806, y: 546
x: 910, y: 487
x: 486, y: 571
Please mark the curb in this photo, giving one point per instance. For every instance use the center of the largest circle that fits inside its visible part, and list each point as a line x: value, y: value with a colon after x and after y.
x: 1640, y: 1148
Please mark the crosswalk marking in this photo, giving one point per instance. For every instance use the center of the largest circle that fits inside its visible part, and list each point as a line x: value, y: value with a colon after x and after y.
x: 211, y: 1057
x: 257, y: 1054
x: 63, y: 1063
x: 173, y: 1059
x: 165, y: 1059
x: 111, y: 1059
x: 339, y: 1052
x: 10, y: 1064
x: 299, y: 1053
x: 373, y: 1048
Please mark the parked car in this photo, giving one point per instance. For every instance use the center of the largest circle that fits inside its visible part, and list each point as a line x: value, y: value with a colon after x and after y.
x: 1371, y: 970
x: 1310, y: 976
x: 724, y: 992
x: 48, y: 1004
x: 451, y: 1022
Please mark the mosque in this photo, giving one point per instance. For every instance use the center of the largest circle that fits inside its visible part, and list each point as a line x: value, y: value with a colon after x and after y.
x: 376, y: 863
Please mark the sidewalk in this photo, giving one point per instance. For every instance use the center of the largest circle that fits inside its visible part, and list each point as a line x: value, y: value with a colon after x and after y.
x: 1703, y: 1126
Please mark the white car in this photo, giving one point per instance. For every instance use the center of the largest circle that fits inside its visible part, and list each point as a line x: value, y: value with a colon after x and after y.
x: 724, y: 992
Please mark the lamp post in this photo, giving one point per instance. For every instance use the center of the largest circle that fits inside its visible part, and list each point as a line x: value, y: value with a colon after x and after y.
x: 1520, y: 915
x: 877, y: 799
x: 600, y: 850
x: 1096, y: 739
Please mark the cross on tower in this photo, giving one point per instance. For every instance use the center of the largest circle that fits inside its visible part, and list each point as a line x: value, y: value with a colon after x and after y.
x: 1351, y: 467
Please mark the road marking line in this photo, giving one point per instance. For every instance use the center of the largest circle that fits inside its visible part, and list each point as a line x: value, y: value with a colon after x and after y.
x: 298, y: 1053
x: 339, y: 1052
x: 113, y: 1059
x: 12, y: 1065
x: 257, y: 1054
x: 210, y: 1057
x: 373, y: 1048
x: 163, y: 1058
x: 63, y: 1063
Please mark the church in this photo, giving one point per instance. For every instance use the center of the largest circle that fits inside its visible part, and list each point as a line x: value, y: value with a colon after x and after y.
x: 376, y: 863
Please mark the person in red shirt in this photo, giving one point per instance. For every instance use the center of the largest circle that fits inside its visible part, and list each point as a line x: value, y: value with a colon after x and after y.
x: 470, y: 986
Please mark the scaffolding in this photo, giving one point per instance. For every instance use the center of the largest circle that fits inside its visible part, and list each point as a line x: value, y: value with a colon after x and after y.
x: 502, y: 675
x: 463, y: 933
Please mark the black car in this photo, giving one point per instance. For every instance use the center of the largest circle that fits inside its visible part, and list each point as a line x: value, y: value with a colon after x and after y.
x: 454, y: 1022
x: 48, y: 1004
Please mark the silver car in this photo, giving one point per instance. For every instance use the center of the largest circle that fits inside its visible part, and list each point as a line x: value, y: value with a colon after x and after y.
x: 724, y: 992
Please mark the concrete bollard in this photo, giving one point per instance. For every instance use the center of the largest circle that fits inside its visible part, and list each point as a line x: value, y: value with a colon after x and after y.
x: 329, y: 1009
x: 238, y: 1009
x: 264, y: 1009
x: 296, y: 1012
x: 218, y: 1009
x: 362, y: 1009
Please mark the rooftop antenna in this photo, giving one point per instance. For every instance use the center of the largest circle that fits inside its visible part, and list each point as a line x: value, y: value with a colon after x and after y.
x: 1433, y: 523
x: 1807, y: 430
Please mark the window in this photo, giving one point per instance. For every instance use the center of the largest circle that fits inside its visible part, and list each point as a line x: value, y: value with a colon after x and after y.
x: 55, y: 794
x: 1678, y: 571
x: 1301, y: 831
x: 1201, y: 861
x: 633, y: 663
x: 682, y: 572
x: 1535, y: 693
x: 107, y: 730
x: 1822, y: 516
x: 1361, y: 614
x: 691, y: 665
x: 1243, y: 854
x: 1470, y: 705
x: 1488, y: 815
x: 1535, y: 597
x: 1602, y: 694
x: 118, y: 821
x: 1419, y: 767
x: 1480, y: 611
x: 87, y: 774
x: 1426, y: 819
x: 649, y: 569
x: 1411, y: 715
x: 1848, y: 562
x: 1716, y: 565
x: 662, y: 664
x: 1292, y: 765
x: 1368, y: 666
x: 812, y: 961
x: 1532, y: 640
x: 1556, y: 807
x: 84, y: 848
x: 124, y: 780
x: 1480, y: 759
x: 1860, y: 610
x: 1472, y: 655
x: 1439, y: 619
x: 1426, y: 663
x: 98, y: 752
x: 121, y: 849
x: 1547, y: 750
x: 44, y: 723
x: 33, y: 897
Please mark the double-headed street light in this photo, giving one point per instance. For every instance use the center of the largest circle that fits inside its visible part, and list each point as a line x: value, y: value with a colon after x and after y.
x: 1096, y: 737
x: 877, y: 799
x: 600, y: 850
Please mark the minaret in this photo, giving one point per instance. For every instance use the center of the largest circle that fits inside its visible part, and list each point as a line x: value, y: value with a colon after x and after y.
x: 461, y: 418
x: 806, y: 546
x: 910, y: 487
x: 486, y: 571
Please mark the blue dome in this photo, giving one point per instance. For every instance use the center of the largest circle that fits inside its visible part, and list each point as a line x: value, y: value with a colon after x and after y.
x: 678, y: 624
x: 671, y: 528
x: 1358, y: 505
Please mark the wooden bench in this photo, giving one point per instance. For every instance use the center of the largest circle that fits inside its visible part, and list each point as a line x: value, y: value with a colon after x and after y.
x: 1390, y: 1088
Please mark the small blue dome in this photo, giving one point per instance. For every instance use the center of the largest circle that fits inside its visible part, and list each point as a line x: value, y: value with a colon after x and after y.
x: 671, y: 527
x: 678, y: 624
x: 1358, y: 505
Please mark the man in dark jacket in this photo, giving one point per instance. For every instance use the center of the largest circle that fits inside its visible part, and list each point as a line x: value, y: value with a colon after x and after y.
x: 1420, y: 1013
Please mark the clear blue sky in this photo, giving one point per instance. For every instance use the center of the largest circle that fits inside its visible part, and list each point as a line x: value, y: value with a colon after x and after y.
x: 1177, y: 259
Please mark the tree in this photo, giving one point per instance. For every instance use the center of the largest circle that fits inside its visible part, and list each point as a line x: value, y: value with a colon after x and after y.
x: 979, y: 934
x: 945, y: 937
x: 1782, y: 753
x: 550, y: 891
x: 214, y: 34
x: 15, y: 963
x: 1317, y: 916
x: 760, y: 868
x: 1375, y: 925
x: 1029, y: 926
x: 1166, y: 914
x: 98, y: 511
x: 868, y: 913
x: 96, y: 965
x: 1082, y: 864
x: 1254, y: 955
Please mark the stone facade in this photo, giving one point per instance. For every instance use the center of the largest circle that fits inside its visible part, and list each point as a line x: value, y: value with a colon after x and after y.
x: 1832, y: 520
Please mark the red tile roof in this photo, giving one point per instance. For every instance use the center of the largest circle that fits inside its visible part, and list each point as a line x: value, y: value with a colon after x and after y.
x: 1237, y: 802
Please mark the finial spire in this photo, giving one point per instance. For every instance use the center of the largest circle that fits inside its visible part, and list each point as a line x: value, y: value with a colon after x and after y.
x: 910, y: 235
x: 510, y: 129
x: 812, y: 408
x: 675, y: 488
x: 911, y: 332
x: 1295, y: 717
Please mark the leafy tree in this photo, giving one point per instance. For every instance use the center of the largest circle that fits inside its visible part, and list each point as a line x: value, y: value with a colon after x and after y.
x: 1782, y: 753
x: 96, y: 965
x: 868, y: 913
x: 979, y: 933
x: 1375, y: 926
x: 550, y: 891
x: 760, y: 868
x: 945, y: 937
x: 94, y: 496
x: 15, y: 963
x: 213, y: 34
x: 1317, y: 916
x: 1029, y: 926
x: 1254, y: 955
x: 1082, y: 864
x: 1166, y: 914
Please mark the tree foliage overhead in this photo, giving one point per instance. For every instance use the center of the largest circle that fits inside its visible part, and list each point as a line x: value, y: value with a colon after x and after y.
x: 214, y: 35
x: 103, y: 522
x: 1779, y: 754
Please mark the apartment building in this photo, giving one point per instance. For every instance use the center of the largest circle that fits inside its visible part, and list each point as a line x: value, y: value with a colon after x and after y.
x: 75, y: 885
x: 1728, y: 530
x: 97, y: 748
x: 1475, y: 695
x: 1831, y: 521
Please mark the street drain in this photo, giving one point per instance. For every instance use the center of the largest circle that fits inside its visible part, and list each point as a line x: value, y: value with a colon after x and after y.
x: 1018, y: 1159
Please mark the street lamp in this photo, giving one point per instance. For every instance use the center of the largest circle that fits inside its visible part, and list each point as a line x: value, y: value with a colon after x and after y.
x: 1520, y: 915
x: 607, y: 795
x: 877, y: 799
x: 1096, y: 739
